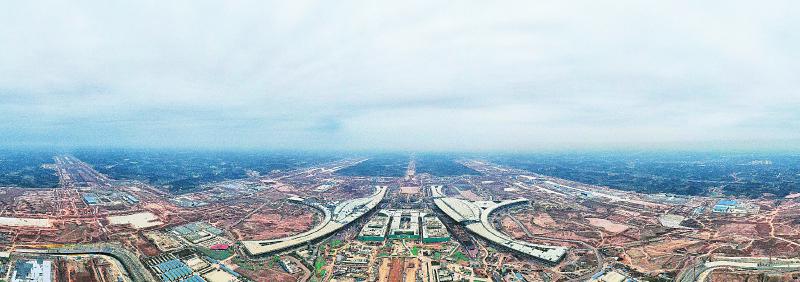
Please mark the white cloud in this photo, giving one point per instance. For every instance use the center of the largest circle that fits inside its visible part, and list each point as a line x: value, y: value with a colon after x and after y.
x: 425, y: 75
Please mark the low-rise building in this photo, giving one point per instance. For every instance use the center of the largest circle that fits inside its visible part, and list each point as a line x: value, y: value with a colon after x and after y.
x: 38, y: 270
x: 433, y: 231
x: 404, y: 224
x: 375, y: 229
x: 90, y: 199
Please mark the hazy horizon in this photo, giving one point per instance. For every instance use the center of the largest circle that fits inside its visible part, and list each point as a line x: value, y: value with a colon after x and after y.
x: 412, y: 76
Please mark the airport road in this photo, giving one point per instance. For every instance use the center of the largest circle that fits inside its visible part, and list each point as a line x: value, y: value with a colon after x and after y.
x: 597, y: 255
x: 701, y: 271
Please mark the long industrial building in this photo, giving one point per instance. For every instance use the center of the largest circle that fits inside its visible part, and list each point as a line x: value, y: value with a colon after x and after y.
x: 335, y: 217
x: 474, y: 215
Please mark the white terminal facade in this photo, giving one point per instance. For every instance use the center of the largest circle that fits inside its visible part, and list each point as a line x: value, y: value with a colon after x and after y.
x: 335, y: 217
x: 474, y: 215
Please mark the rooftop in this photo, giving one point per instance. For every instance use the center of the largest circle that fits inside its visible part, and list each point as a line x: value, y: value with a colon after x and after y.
x: 335, y: 218
x: 376, y: 226
x: 475, y: 215
x: 432, y: 227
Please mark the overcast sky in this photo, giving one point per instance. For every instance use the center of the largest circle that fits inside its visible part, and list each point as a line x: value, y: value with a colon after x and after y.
x: 464, y: 75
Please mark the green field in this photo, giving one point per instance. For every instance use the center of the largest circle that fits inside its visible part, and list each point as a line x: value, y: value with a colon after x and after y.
x: 318, y: 264
x: 459, y: 256
x: 247, y: 265
x: 216, y: 254
x: 274, y: 260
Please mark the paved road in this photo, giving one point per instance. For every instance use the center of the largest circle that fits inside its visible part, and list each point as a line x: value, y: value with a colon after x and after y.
x: 703, y: 269
x: 597, y: 255
x: 135, y: 269
x: 306, y: 272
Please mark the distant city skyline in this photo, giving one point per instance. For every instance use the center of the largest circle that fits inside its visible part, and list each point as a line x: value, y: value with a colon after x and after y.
x: 427, y: 76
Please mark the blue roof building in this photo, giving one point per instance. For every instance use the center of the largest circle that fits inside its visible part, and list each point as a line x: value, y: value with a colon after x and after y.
x: 90, y: 199
x: 724, y: 206
x: 23, y: 269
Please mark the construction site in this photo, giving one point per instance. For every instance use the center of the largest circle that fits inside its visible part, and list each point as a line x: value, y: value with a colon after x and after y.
x: 311, y: 224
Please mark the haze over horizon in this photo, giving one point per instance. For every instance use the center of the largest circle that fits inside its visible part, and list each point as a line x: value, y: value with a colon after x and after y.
x: 401, y: 76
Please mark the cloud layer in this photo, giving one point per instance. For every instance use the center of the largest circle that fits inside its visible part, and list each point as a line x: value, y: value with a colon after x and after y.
x: 407, y: 75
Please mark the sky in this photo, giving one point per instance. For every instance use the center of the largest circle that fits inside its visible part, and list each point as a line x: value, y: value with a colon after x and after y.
x: 401, y: 75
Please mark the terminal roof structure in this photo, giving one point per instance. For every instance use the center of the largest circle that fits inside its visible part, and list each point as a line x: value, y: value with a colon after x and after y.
x: 475, y: 216
x: 335, y: 218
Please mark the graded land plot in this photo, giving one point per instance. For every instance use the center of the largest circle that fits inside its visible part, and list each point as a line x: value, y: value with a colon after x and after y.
x: 138, y: 220
x: 76, y: 232
x: 262, y: 271
x: 607, y: 225
x: 25, y: 222
x: 271, y: 221
x: 93, y: 268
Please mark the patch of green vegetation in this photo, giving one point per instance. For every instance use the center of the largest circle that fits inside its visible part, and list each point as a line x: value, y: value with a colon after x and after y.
x: 335, y: 243
x: 216, y: 254
x: 383, y: 255
x: 274, y: 259
x: 415, y: 251
x: 437, y: 256
x: 459, y: 256
x: 318, y: 264
x: 246, y: 264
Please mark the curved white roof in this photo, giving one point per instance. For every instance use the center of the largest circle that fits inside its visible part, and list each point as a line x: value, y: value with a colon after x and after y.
x: 458, y: 209
x: 475, y: 216
x: 343, y: 214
